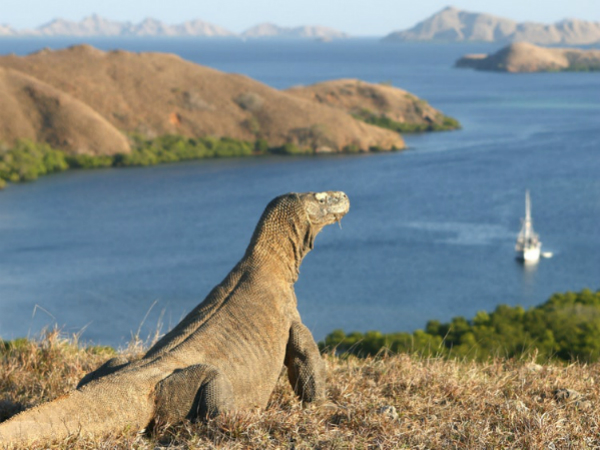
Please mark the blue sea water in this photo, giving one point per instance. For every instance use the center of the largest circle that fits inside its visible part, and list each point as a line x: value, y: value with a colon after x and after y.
x: 431, y: 230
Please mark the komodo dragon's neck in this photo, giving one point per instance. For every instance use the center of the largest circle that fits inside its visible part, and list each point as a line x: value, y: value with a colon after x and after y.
x: 281, y: 240
x: 283, y: 236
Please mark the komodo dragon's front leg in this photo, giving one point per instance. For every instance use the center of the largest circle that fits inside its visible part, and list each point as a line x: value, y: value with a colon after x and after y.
x: 306, y: 368
x: 196, y: 392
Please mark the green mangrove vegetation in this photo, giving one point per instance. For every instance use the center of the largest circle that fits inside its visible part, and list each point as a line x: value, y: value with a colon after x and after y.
x: 27, y: 160
x: 381, y: 120
x: 591, y: 66
x: 566, y: 327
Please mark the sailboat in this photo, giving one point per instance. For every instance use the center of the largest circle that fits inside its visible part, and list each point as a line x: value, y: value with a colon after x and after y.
x: 528, y: 246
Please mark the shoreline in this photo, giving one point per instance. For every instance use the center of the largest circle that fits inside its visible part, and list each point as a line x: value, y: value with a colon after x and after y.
x: 27, y: 160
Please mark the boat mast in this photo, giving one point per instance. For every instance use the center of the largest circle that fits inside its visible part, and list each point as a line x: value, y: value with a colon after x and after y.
x: 528, y: 227
x: 526, y: 236
x: 528, y: 244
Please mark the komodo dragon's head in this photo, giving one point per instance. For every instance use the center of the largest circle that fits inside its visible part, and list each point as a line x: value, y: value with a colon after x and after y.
x: 324, y: 208
x: 291, y: 222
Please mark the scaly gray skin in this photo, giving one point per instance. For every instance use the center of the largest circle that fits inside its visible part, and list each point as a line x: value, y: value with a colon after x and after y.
x: 227, y: 353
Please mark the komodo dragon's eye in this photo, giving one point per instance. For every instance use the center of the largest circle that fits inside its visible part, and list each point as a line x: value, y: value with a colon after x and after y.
x: 321, y: 197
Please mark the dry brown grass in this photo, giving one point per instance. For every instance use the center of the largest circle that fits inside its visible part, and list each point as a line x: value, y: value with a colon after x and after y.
x: 439, y: 404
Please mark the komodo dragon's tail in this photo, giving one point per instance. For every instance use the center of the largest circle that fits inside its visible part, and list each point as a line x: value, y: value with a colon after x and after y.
x: 90, y: 412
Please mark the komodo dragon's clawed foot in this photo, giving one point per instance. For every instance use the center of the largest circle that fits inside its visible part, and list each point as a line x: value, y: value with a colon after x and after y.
x: 194, y: 393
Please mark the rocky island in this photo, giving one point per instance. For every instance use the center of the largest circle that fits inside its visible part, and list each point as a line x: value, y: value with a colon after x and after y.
x: 455, y: 25
x: 524, y: 57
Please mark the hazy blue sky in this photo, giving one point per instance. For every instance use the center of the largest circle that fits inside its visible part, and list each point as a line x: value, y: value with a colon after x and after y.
x: 358, y: 17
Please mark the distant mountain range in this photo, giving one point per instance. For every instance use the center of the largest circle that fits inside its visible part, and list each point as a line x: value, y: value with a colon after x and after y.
x: 448, y: 25
x: 265, y: 30
x: 96, y: 25
x: 454, y: 25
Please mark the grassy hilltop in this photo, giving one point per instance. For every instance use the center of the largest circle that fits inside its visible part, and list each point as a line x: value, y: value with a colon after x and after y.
x: 398, y: 401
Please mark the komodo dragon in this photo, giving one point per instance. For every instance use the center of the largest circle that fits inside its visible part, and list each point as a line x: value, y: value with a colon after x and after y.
x: 226, y: 354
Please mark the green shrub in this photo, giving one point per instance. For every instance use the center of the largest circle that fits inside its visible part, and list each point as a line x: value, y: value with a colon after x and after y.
x: 290, y: 149
x: 172, y: 148
x: 587, y: 66
x: 28, y: 160
x: 250, y: 101
x: 88, y: 161
x: 261, y: 146
x: 228, y: 147
x: 15, y: 344
x: 351, y: 148
x: 449, y: 123
x: 566, y: 327
x: 382, y: 121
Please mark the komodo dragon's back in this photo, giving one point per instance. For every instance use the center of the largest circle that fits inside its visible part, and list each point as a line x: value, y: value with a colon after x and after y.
x: 226, y: 354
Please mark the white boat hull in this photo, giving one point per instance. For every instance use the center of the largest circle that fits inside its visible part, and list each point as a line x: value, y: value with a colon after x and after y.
x: 531, y: 254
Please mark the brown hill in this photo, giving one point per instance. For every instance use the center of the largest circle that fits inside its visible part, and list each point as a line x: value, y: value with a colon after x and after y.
x: 155, y: 94
x: 524, y: 57
x: 35, y: 110
x: 361, y: 98
x: 455, y: 25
